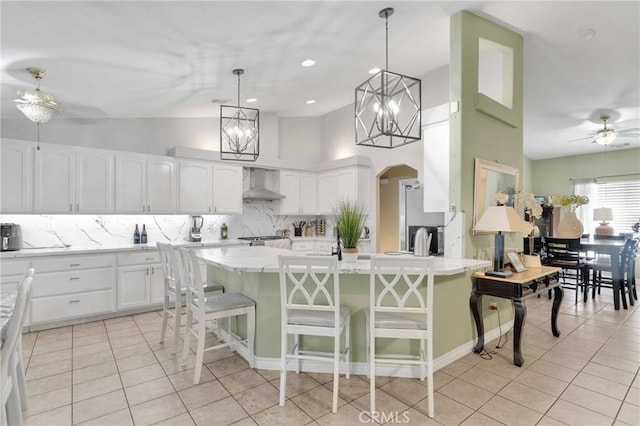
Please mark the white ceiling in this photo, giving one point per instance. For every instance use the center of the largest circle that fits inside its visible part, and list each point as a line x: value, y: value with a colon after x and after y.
x: 111, y: 59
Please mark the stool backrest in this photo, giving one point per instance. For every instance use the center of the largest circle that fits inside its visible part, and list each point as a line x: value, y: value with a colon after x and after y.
x: 310, y: 283
x: 13, y: 330
x: 397, y: 285
x: 191, y: 280
x: 170, y: 261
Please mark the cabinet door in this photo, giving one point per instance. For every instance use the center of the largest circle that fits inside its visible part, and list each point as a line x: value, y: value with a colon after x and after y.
x: 227, y: 189
x: 161, y: 186
x: 346, y: 185
x: 54, y: 180
x: 16, y: 177
x: 133, y: 286
x: 436, y: 167
x: 290, y: 188
x: 94, y: 182
x: 157, y: 284
x: 326, y: 193
x: 130, y: 190
x: 195, y: 187
x: 308, y: 193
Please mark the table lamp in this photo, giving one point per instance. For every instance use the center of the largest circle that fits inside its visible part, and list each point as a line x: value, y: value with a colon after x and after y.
x: 501, y: 219
x: 603, y: 215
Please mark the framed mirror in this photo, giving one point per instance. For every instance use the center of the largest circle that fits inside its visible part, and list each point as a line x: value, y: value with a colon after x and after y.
x: 490, y: 178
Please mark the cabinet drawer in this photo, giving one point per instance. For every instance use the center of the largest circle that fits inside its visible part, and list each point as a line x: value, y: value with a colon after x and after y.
x: 71, y: 305
x: 72, y: 282
x: 300, y: 246
x: 17, y: 267
x: 139, y: 258
x: 323, y: 246
x: 65, y: 263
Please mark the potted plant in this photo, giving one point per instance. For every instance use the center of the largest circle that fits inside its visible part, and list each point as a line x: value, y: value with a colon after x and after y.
x: 350, y: 219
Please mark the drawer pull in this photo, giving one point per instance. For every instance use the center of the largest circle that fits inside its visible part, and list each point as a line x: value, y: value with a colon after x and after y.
x: 74, y: 278
x: 74, y: 264
x: 74, y: 301
x: 149, y: 258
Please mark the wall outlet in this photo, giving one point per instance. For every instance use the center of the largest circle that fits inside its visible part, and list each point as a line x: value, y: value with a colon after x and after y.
x: 493, y: 305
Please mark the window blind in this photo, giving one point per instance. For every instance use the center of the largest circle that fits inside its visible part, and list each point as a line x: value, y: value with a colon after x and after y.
x: 623, y: 197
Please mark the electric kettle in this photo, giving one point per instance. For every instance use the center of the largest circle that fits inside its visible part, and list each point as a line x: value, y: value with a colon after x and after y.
x: 422, y: 243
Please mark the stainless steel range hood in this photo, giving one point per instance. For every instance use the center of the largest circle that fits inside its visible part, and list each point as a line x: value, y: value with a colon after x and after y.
x: 257, y: 189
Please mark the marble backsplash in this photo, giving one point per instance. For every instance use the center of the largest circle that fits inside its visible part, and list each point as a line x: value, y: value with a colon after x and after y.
x: 47, y: 231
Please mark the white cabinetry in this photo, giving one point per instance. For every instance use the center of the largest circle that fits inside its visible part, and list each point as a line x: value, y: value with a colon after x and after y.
x: 145, y: 184
x: 140, y: 280
x: 73, y: 180
x: 66, y: 287
x: 346, y: 183
x: 227, y: 189
x: 16, y: 176
x: 205, y: 187
x: 312, y: 246
x: 300, y: 192
x: 436, y: 167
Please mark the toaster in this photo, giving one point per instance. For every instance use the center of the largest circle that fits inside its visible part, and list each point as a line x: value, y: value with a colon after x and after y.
x: 11, y: 234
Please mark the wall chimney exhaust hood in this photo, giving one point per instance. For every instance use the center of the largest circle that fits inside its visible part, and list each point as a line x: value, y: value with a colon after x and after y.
x: 257, y: 189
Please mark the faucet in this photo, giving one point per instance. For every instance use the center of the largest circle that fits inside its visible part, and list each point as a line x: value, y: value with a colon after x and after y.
x: 338, y: 249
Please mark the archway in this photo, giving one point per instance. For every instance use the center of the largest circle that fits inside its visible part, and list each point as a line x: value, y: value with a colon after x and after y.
x: 388, y: 206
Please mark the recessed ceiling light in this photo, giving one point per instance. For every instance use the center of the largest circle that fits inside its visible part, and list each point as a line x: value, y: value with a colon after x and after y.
x: 311, y: 101
x: 251, y: 100
x: 374, y: 70
x: 308, y: 63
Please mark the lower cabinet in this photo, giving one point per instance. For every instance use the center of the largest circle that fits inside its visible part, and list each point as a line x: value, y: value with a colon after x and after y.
x: 67, y: 287
x: 140, y: 280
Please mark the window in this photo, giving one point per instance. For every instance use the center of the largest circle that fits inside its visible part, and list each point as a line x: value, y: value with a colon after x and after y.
x: 623, y: 197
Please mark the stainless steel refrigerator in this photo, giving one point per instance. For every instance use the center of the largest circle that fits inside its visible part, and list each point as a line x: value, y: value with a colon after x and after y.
x: 413, y: 217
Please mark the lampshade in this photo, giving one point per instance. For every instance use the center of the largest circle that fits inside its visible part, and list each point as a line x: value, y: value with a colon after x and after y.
x: 602, y: 214
x: 388, y: 105
x: 37, y: 106
x: 239, y: 130
x: 502, y: 219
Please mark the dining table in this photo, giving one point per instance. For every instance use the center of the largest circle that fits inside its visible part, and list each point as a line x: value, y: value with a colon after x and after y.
x: 612, y: 247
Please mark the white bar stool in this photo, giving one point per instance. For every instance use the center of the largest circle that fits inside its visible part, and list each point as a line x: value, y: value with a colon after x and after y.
x: 13, y: 387
x: 174, y: 292
x: 398, y: 309
x: 203, y: 307
x: 310, y: 305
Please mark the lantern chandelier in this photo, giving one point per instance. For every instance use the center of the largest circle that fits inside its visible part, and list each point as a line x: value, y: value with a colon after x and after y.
x: 388, y: 105
x: 239, y: 130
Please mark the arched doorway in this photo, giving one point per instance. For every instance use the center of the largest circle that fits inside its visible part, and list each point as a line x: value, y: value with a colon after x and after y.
x: 388, y: 206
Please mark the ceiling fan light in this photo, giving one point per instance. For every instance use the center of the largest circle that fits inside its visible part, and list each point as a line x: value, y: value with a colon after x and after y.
x: 37, y: 106
x: 605, y: 137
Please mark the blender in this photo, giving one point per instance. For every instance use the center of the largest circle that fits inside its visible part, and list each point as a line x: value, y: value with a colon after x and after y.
x: 194, y: 235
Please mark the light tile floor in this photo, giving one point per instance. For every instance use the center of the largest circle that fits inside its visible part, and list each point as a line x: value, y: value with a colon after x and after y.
x: 114, y: 372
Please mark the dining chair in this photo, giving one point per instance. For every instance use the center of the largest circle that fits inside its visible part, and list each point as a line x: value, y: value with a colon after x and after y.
x: 565, y: 253
x: 599, y: 263
x: 174, y: 291
x: 12, y: 384
x: 400, y: 307
x: 310, y: 305
x: 202, y: 307
x: 628, y: 269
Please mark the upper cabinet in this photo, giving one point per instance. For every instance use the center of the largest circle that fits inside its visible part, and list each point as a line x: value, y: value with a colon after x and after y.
x: 346, y: 183
x: 300, y: 192
x: 16, y: 176
x: 227, y: 189
x: 145, y: 184
x: 72, y: 180
x: 206, y: 188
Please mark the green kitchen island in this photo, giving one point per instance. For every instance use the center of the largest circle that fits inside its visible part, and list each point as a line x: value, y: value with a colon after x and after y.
x: 253, y: 271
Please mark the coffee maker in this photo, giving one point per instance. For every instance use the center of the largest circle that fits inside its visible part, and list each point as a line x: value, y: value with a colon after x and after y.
x: 194, y: 235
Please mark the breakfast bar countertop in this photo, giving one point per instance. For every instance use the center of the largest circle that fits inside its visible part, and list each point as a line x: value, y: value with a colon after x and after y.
x: 265, y: 259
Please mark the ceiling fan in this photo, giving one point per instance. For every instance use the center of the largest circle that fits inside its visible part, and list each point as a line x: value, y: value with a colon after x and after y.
x: 607, y: 135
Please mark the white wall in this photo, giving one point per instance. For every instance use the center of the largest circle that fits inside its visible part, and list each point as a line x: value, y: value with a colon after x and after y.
x: 299, y: 138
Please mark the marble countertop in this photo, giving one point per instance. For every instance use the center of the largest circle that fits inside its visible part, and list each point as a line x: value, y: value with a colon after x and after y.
x: 265, y: 259
x: 7, y: 304
x: 52, y: 251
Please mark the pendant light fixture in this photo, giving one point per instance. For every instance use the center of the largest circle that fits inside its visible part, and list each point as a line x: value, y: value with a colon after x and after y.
x: 388, y: 105
x: 239, y: 130
x: 37, y: 106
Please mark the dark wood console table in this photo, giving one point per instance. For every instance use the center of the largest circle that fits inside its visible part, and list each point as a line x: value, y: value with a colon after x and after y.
x: 518, y: 287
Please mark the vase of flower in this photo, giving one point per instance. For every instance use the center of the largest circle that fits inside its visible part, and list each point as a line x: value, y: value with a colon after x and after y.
x: 570, y: 226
